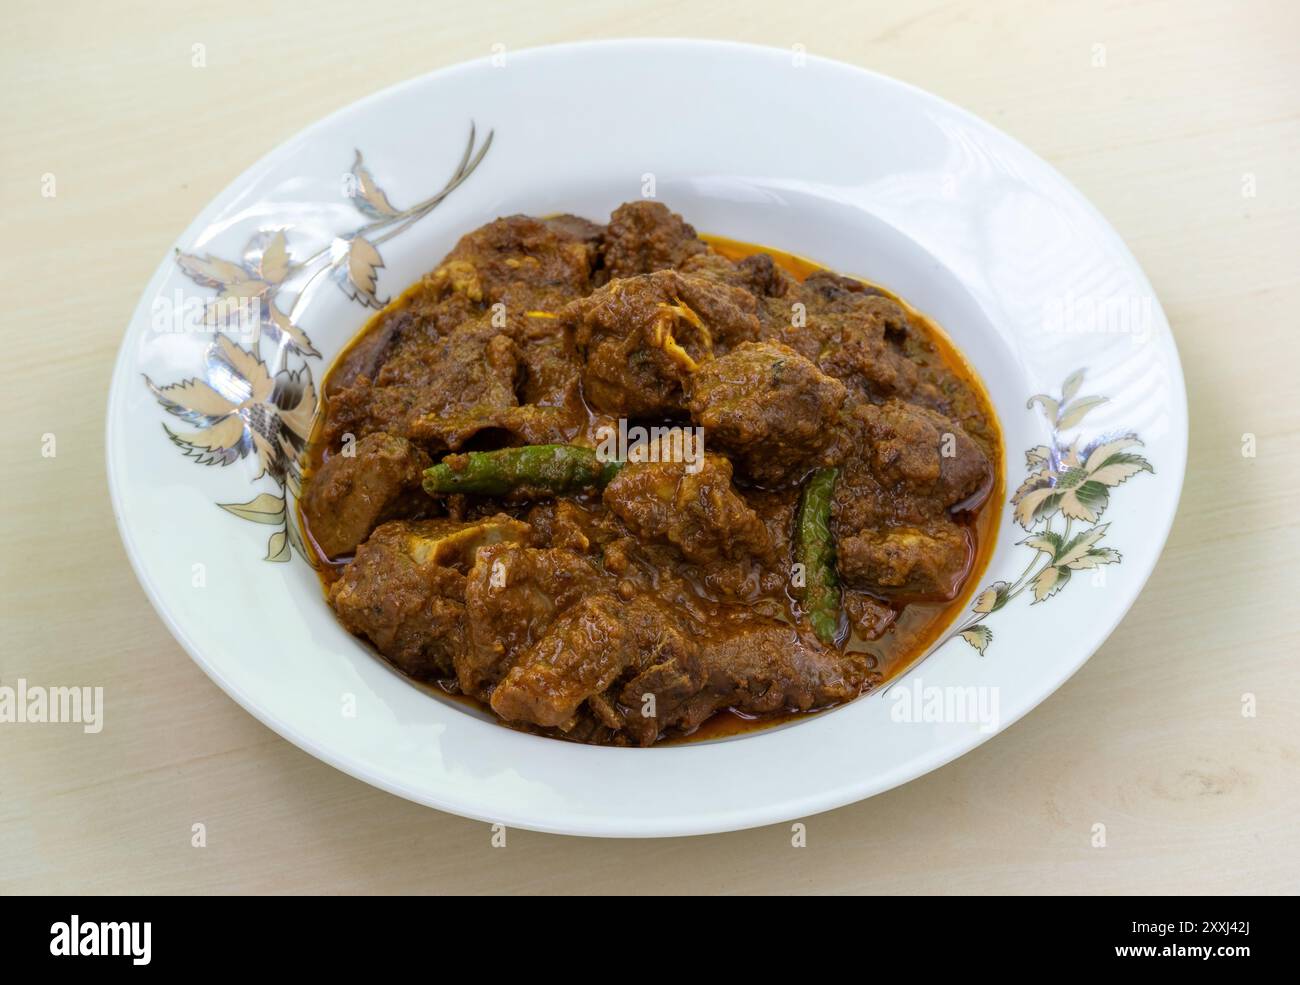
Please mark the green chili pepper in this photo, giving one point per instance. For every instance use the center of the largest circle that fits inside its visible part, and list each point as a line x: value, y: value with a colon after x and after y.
x: 816, y: 552
x: 531, y: 470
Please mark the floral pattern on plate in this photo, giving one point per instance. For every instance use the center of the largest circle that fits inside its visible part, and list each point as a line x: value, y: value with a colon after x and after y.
x: 241, y: 406
x: 1072, y: 481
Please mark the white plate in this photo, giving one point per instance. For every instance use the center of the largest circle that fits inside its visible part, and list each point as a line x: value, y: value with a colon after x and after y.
x: 862, y: 173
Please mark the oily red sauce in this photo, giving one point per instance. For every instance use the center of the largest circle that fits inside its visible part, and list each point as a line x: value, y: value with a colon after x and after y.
x: 917, y: 627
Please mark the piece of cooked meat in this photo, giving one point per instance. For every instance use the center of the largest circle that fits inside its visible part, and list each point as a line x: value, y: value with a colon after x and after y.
x: 522, y: 263
x: 642, y: 337
x: 580, y: 654
x: 750, y: 663
x: 757, y: 273
x: 352, y: 494
x: 769, y: 406
x: 905, y: 464
x: 927, y: 563
x: 439, y: 395
x: 848, y: 329
x: 894, y: 532
x: 513, y: 593
x: 405, y: 589
x: 699, y: 513
x: 641, y: 672
x: 645, y: 236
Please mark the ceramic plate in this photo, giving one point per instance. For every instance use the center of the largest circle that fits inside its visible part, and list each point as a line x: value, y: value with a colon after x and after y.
x: 861, y: 173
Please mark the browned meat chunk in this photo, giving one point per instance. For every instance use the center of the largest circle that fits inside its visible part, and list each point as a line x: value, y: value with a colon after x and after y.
x: 908, y: 563
x: 697, y: 512
x: 905, y: 464
x: 845, y: 327
x: 440, y: 395
x: 754, y: 665
x: 479, y: 356
x: 466, y: 384
x: 458, y: 351
x: 513, y: 594
x: 904, y: 440
x: 666, y: 671
x: 639, y: 671
x: 422, y: 315
x: 581, y: 654
x: 352, y: 494
x: 757, y: 273
x: 405, y: 589
x: 575, y: 229
x: 763, y: 666
x: 769, y: 406
x: 644, y: 237
x: 574, y: 677
x: 550, y: 361
x: 522, y: 263
x: 894, y: 532
x: 564, y: 523
x: 642, y: 337
x: 849, y: 329
x: 854, y: 332
x: 865, y: 348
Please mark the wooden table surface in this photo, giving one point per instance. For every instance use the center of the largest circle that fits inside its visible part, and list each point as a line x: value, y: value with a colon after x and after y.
x: 1187, y: 138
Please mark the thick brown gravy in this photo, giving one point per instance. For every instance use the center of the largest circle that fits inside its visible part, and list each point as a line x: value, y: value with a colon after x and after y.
x: 918, y: 626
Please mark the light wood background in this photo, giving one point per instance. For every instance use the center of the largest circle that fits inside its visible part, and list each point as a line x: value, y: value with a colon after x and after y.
x: 1194, y: 103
